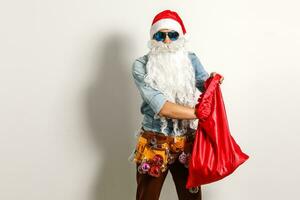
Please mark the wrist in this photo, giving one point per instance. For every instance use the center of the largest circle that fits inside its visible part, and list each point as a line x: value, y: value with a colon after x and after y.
x: 195, y: 113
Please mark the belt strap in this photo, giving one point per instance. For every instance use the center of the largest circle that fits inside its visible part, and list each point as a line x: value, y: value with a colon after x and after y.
x: 163, y: 138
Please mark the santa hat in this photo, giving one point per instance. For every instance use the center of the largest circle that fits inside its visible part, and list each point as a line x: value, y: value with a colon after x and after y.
x: 167, y: 19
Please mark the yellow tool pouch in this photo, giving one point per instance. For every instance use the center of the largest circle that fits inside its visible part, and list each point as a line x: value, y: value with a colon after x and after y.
x: 155, y: 151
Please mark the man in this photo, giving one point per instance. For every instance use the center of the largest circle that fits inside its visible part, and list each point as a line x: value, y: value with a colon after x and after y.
x: 169, y: 79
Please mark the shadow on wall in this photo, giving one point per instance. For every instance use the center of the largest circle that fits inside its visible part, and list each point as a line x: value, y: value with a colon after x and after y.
x: 109, y: 118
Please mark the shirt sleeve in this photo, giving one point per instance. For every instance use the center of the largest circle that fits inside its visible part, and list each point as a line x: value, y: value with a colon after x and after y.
x: 151, y: 96
x: 200, y: 73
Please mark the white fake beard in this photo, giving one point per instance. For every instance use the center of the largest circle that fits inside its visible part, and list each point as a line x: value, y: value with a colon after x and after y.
x: 170, y: 71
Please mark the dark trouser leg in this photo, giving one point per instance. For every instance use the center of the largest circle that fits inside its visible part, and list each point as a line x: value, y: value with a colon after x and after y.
x: 149, y: 187
x: 180, y: 174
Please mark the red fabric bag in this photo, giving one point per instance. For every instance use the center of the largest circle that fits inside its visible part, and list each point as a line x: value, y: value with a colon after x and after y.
x: 215, y: 153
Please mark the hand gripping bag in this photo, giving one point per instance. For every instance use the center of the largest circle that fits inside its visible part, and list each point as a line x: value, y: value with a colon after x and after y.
x: 215, y: 153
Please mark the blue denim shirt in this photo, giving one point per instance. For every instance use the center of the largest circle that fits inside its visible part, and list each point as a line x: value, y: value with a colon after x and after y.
x: 153, y: 100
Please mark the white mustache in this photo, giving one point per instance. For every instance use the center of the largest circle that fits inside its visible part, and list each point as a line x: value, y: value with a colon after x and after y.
x: 161, y: 47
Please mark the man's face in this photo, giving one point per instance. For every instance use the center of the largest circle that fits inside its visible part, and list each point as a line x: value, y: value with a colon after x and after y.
x: 167, y: 39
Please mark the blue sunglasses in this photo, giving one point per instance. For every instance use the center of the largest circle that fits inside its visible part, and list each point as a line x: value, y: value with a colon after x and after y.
x: 161, y: 36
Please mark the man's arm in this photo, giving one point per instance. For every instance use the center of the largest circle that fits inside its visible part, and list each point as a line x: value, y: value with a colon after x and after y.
x: 176, y: 111
x: 200, y: 73
x: 154, y: 98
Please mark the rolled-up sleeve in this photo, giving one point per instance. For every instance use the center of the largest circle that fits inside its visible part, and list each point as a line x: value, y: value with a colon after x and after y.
x: 151, y: 96
x: 200, y: 73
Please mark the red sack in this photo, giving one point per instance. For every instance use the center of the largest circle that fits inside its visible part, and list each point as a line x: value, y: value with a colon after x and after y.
x: 215, y: 153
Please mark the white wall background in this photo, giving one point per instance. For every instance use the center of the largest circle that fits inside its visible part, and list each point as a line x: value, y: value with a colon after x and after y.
x: 69, y: 107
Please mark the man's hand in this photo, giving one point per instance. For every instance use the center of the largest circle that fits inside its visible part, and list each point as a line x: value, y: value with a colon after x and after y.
x: 212, y: 74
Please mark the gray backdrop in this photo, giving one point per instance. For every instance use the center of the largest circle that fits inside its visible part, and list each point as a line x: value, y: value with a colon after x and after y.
x: 70, y: 109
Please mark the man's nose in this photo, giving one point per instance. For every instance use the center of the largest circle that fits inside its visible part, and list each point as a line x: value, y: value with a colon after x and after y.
x: 167, y: 40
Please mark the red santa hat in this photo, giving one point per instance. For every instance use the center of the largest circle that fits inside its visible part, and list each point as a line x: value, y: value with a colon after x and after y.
x: 167, y: 19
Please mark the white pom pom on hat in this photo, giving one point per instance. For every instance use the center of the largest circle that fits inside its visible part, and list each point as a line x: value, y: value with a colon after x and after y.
x: 167, y: 19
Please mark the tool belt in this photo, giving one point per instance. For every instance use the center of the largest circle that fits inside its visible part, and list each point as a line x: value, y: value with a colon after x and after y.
x: 155, y: 151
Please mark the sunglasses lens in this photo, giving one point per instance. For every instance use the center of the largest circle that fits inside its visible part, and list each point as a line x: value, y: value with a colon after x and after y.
x: 159, y: 36
x: 173, y: 35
